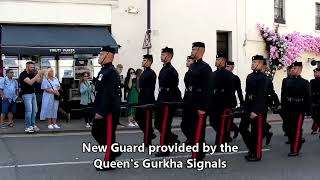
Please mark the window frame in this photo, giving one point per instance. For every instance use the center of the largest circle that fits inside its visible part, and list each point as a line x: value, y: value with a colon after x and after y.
x: 317, y: 16
x: 280, y: 8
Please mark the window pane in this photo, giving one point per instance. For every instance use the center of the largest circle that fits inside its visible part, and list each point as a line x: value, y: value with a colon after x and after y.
x: 65, y: 72
x: 276, y: 13
x: 276, y: 3
x: 281, y: 3
x: 66, y: 61
x: 95, y: 61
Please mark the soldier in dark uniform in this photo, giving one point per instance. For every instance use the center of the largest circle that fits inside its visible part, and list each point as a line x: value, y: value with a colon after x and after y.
x: 221, y: 100
x: 283, y: 113
x: 168, y: 92
x: 315, y: 91
x: 147, y: 82
x: 188, y: 115
x: 273, y: 103
x: 238, y: 90
x: 255, y: 108
x: 107, y: 103
x: 197, y: 102
x: 297, y: 99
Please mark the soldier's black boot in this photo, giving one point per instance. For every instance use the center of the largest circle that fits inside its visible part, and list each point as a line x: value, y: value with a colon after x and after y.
x: 162, y: 154
x: 201, y: 156
x: 293, y: 154
x: 235, y: 134
x: 174, y: 142
x: 249, y: 155
x: 188, y: 142
x: 268, y: 138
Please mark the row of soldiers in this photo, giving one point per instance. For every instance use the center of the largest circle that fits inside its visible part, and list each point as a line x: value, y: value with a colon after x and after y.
x: 206, y: 94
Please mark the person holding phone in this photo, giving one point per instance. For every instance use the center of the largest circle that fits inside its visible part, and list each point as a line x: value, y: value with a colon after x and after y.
x: 27, y: 80
x: 87, y: 98
x: 133, y: 96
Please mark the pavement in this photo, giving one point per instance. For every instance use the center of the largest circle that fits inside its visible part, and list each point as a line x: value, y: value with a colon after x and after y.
x: 78, y: 125
x: 60, y: 156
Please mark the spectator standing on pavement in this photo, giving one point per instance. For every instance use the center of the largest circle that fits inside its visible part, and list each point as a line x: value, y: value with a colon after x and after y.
x: 119, y: 70
x: 87, y: 98
x: 133, y: 94
x: 126, y: 82
x: 27, y: 80
x: 9, y: 91
x: 38, y: 91
x: 50, y: 104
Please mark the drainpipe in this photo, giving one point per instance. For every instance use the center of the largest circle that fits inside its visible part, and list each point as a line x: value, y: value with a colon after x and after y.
x: 149, y: 21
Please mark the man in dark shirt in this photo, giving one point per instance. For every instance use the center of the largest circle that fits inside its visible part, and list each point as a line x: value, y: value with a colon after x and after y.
x: 146, y: 99
x: 107, y: 104
x: 238, y: 90
x: 273, y: 103
x: 257, y: 87
x: 27, y: 80
x: 284, y: 112
x: 315, y: 91
x: 197, y: 99
x: 221, y: 100
x: 188, y: 116
x: 168, y: 93
x: 296, y: 96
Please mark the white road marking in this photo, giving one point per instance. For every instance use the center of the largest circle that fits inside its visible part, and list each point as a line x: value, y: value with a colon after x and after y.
x: 139, y: 159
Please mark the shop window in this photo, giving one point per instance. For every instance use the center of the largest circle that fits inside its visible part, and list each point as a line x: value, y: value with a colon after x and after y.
x: 66, y: 69
x: 48, y: 62
x: 96, y: 66
x: 11, y: 62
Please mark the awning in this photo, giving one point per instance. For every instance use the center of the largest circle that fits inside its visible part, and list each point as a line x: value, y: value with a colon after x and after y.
x: 53, y: 40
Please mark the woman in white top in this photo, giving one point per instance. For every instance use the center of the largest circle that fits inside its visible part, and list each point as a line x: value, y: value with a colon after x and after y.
x: 50, y: 105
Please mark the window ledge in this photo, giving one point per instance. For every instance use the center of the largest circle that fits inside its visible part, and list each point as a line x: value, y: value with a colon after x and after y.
x: 280, y: 25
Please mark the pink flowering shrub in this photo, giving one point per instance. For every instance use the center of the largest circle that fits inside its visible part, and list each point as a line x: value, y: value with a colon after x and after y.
x: 286, y: 49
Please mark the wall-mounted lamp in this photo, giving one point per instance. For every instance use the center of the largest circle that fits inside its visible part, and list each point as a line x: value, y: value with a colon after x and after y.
x: 315, y: 63
x: 132, y: 10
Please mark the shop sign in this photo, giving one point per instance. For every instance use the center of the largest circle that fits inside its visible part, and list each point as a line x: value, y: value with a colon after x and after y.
x: 63, y: 51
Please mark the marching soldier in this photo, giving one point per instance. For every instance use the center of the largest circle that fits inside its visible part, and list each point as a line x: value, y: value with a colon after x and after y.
x: 221, y: 100
x: 188, y: 115
x: 315, y: 91
x: 168, y: 92
x: 283, y: 113
x: 107, y: 104
x: 238, y: 90
x: 146, y: 99
x: 296, y: 95
x: 272, y: 103
x: 197, y: 102
x: 255, y: 108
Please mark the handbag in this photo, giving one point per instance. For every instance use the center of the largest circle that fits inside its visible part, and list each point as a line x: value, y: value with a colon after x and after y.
x: 56, y: 97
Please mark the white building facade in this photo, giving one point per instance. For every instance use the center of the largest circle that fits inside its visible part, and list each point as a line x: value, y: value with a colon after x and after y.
x: 220, y: 24
x: 228, y: 26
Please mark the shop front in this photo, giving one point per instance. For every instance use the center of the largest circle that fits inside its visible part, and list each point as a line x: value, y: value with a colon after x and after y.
x: 69, y: 50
